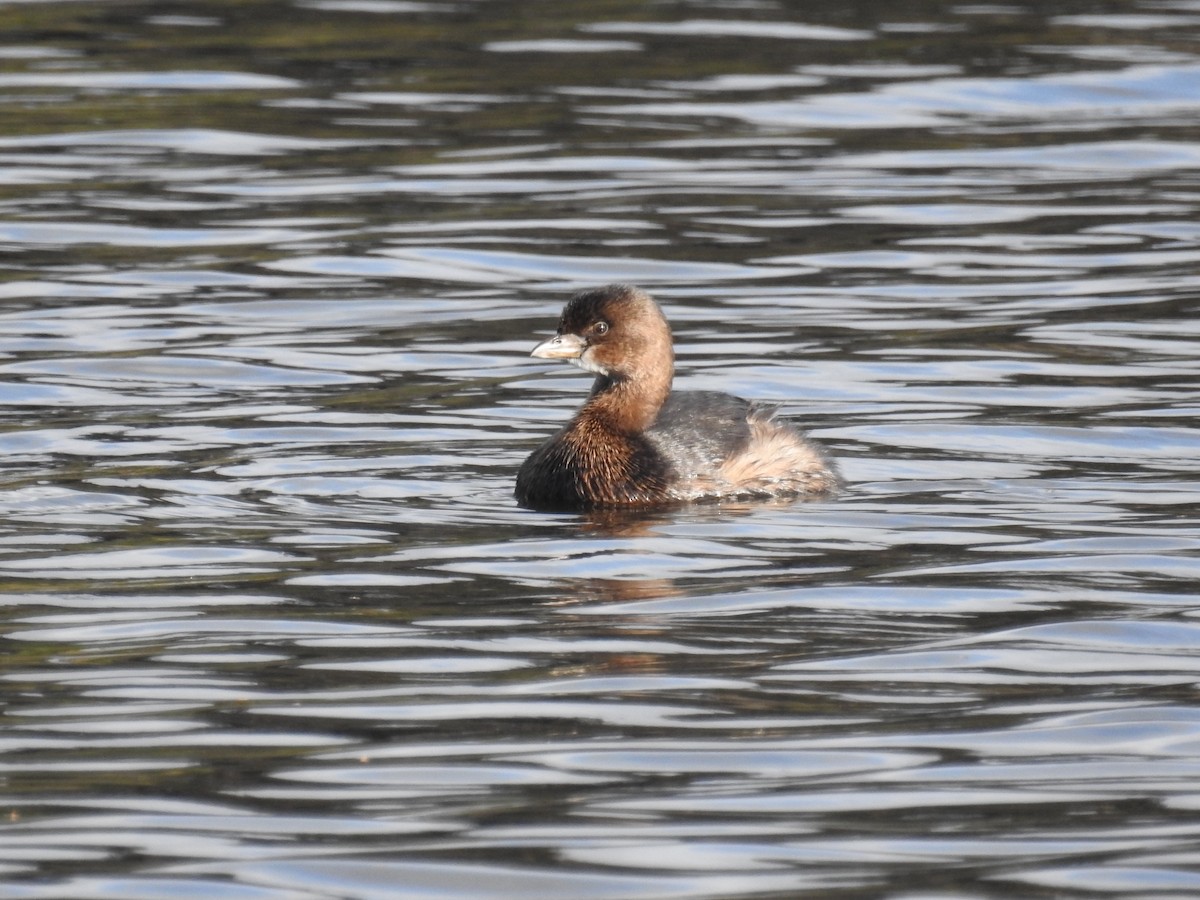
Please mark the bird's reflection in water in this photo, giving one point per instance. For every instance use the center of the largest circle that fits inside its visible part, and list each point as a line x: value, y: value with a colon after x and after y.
x: 634, y: 525
x: 640, y: 521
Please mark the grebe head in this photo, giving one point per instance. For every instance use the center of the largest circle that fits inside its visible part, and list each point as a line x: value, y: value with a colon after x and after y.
x: 617, y: 331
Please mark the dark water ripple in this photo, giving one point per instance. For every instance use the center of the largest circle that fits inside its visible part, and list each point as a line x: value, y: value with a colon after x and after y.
x: 274, y: 626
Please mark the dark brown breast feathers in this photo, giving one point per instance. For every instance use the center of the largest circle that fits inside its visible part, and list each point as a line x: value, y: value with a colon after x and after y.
x: 587, y: 465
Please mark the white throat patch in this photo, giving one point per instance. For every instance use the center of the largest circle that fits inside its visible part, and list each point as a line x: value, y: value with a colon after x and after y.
x: 587, y: 363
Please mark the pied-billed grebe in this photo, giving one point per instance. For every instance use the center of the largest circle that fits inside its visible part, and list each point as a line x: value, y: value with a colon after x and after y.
x: 635, y: 443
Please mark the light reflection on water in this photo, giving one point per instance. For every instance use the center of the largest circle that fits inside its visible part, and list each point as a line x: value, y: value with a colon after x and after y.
x: 275, y: 626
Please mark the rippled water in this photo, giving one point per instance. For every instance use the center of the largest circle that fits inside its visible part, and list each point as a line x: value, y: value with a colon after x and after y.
x: 276, y: 629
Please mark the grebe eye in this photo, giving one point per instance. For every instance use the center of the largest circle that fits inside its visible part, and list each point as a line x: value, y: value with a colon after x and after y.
x: 600, y: 328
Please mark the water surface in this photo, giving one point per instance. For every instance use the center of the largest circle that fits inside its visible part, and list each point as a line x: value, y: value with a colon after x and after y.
x: 275, y: 627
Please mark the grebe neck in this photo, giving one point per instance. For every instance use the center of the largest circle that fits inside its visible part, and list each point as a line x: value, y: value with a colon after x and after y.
x: 629, y: 404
